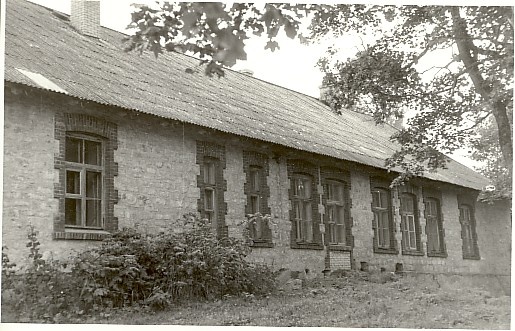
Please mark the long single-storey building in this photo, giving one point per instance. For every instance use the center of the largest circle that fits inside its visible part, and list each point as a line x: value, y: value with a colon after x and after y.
x: 97, y: 139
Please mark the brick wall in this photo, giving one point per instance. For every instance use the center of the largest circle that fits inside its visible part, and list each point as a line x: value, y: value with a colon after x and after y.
x: 156, y: 184
x: 493, y: 229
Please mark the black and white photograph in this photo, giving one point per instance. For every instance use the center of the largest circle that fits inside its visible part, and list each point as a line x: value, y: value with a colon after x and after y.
x: 329, y: 165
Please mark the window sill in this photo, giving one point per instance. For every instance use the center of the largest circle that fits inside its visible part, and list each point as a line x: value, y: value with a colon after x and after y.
x: 81, y: 234
x: 305, y: 245
x: 471, y: 257
x: 262, y: 243
x: 437, y: 254
x: 392, y: 251
x: 414, y: 253
x: 334, y: 247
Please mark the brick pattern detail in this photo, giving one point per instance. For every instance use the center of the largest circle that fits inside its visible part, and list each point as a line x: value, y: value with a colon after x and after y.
x: 340, y: 260
x: 216, y: 152
x: 412, y: 191
x: 342, y: 176
x: 86, y: 17
x: 255, y: 159
x: 65, y: 122
x: 80, y: 235
x: 429, y: 193
x: 469, y: 200
x: 305, y: 168
x: 384, y: 183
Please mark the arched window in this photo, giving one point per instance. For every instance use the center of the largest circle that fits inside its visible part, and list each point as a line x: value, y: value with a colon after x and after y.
x: 434, y: 227
x: 210, y: 169
x: 302, y: 204
x: 84, y: 168
x: 335, y: 211
x: 468, y: 232
x: 382, y: 220
x: 409, y: 223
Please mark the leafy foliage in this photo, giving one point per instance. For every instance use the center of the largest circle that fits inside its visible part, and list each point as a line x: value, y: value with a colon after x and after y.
x: 448, y: 101
x: 486, y: 150
x: 134, y: 269
x: 215, y: 32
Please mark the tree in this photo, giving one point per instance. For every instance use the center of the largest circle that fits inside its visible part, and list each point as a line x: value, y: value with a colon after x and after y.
x: 476, y: 83
x: 383, y: 79
x: 215, y: 32
x: 486, y: 150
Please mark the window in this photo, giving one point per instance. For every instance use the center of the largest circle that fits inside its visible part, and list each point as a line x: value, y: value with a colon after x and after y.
x: 434, y: 227
x: 468, y: 232
x: 255, y: 168
x: 409, y: 222
x: 85, y: 187
x: 211, y: 204
x: 254, y: 190
x: 382, y: 222
x: 302, y: 204
x: 258, y: 227
x: 83, y: 182
x: 335, y: 211
x: 210, y: 196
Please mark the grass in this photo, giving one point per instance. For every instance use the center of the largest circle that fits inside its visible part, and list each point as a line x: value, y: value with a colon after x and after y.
x: 353, y: 300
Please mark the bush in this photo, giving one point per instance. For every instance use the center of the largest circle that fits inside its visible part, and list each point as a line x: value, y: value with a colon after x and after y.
x: 131, y: 268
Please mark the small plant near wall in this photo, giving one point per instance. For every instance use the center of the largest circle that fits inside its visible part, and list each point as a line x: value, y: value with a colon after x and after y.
x: 256, y: 228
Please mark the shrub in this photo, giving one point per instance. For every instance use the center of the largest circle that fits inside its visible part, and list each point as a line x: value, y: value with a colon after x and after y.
x: 131, y: 268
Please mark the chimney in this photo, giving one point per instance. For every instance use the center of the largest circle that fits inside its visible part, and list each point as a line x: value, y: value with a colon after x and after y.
x: 325, y: 90
x: 85, y: 17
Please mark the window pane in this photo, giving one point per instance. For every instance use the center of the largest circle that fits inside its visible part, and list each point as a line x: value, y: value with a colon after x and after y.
x: 411, y: 223
x: 309, y: 231
x: 307, y: 211
x: 331, y: 214
x: 299, y: 187
x: 341, y: 215
x: 209, y: 173
x: 332, y: 233
x: 72, y: 182
x: 209, y: 216
x: 384, y: 199
x: 93, y: 213
x: 375, y: 199
x: 73, y: 150
x: 307, y: 188
x: 93, y: 184
x: 432, y: 208
x: 258, y: 228
x: 407, y: 203
x: 329, y: 189
x: 384, y: 230
x: 300, y: 226
x: 72, y: 210
x: 254, y: 204
x: 254, y: 180
x: 433, y: 239
x: 209, y: 200
x: 340, y: 233
x: 296, y: 210
x: 92, y: 152
x: 413, y: 242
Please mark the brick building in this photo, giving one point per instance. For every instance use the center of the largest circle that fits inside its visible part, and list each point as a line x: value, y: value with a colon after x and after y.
x: 97, y: 139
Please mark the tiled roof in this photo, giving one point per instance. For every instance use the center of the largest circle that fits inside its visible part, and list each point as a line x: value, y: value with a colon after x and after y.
x: 99, y: 70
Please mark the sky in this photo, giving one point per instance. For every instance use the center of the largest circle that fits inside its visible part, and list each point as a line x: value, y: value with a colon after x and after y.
x: 293, y: 66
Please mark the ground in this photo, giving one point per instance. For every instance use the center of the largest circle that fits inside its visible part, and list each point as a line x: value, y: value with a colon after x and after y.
x: 351, y: 299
